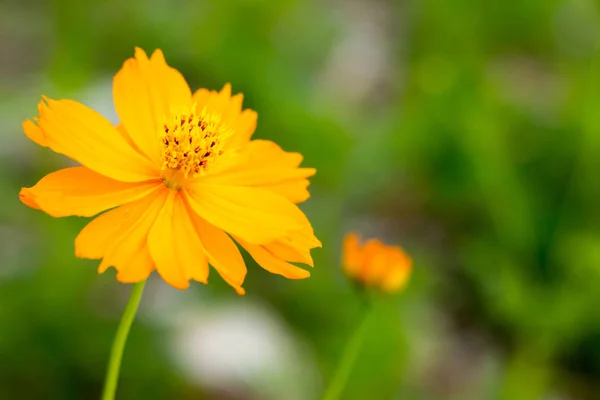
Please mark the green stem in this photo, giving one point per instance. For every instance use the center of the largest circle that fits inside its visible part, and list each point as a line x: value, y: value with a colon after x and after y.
x: 336, y: 386
x: 116, y: 352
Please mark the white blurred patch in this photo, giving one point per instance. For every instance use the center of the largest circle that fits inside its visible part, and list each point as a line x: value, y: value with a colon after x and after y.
x: 98, y: 97
x: 242, y: 347
x: 360, y: 60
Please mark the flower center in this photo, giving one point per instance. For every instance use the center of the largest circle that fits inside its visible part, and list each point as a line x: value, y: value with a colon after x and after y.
x: 191, y: 144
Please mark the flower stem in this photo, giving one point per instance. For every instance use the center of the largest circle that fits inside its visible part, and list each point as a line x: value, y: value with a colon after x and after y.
x: 336, y: 386
x: 116, y: 352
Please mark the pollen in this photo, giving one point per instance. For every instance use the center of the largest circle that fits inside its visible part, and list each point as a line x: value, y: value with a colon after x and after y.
x: 192, y: 142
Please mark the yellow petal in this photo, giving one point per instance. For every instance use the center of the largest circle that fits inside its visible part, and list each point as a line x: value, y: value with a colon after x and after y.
x: 305, y: 236
x: 288, y: 250
x: 161, y: 242
x: 217, y: 102
x: 33, y: 132
x: 242, y: 123
x: 175, y: 246
x: 127, y: 138
x: 263, y: 163
x: 295, y: 191
x: 296, y: 246
x: 100, y: 234
x: 267, y: 153
x: 188, y: 247
x: 127, y: 247
x: 82, y: 192
x: 243, y: 127
x: 272, y: 263
x: 255, y: 215
x: 201, y: 98
x: 120, y: 237
x: 138, y: 268
x: 83, y: 135
x: 174, y: 88
x: 145, y: 92
x: 222, y: 252
x: 27, y: 199
x: 234, y: 107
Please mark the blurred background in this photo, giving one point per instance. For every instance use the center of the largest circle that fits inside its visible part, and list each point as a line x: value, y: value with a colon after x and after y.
x: 467, y: 132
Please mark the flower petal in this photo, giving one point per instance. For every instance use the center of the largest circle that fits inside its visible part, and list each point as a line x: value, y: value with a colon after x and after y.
x: 395, y: 279
x: 242, y: 123
x: 376, y: 266
x: 72, y: 129
x: 161, y: 244
x: 33, y: 132
x: 218, y: 102
x: 175, y: 246
x: 256, y: 215
x: 295, y: 191
x: 352, y: 255
x: 273, y: 264
x: 373, y: 260
x: 399, y: 267
x: 221, y: 251
x: 263, y: 163
x: 243, y: 127
x: 296, y: 246
x: 288, y: 249
x: 189, y: 249
x: 120, y: 237
x: 145, y: 92
x: 304, y: 237
x: 138, y: 268
x: 82, y: 192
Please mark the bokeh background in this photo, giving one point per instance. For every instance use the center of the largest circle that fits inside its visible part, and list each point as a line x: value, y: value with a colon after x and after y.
x: 467, y: 132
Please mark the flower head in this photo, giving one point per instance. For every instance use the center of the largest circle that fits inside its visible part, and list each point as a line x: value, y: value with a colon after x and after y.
x: 375, y: 265
x: 180, y: 177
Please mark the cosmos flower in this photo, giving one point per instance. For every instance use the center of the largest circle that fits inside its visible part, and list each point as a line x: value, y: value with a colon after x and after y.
x: 181, y: 179
x: 375, y: 265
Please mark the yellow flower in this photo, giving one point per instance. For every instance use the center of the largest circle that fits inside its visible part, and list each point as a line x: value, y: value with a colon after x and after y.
x: 375, y: 265
x: 182, y: 177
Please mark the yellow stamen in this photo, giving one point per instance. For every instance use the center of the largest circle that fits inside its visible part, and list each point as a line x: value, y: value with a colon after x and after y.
x: 191, y: 143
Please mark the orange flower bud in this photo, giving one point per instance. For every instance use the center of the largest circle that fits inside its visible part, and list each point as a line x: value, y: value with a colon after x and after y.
x: 374, y: 264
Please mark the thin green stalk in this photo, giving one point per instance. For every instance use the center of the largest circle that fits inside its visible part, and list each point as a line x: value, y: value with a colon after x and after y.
x: 336, y: 386
x: 116, y: 352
